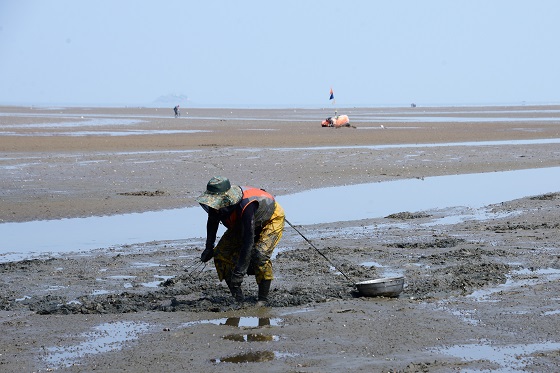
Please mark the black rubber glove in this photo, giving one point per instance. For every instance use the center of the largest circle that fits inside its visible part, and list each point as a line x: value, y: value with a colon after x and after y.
x: 207, y: 254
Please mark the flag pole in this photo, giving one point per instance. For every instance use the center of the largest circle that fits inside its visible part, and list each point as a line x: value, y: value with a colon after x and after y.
x: 334, y: 102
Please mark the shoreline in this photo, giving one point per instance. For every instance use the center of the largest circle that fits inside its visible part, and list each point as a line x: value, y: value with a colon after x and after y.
x: 276, y: 107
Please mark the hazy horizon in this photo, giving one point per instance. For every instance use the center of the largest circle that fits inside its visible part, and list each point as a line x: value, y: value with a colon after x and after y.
x: 187, y: 106
x: 252, y: 54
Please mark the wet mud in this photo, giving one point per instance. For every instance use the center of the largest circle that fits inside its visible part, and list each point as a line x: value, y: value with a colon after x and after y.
x: 306, y: 278
x: 480, y: 293
x: 460, y: 288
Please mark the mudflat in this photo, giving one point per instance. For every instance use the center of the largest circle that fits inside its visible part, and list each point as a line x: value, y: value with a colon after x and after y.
x: 479, y: 294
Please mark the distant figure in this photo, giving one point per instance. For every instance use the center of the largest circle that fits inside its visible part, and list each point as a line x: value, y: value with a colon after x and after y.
x: 337, y: 121
x: 177, y: 112
x: 413, y: 105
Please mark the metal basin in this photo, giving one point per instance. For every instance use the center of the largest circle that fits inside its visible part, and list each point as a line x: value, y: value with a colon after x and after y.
x: 381, y: 287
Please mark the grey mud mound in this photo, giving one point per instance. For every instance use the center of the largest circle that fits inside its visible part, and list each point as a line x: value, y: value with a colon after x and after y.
x: 303, y: 278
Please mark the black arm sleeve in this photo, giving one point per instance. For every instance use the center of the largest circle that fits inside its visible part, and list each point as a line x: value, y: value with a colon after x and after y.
x: 212, y: 228
x: 248, y: 238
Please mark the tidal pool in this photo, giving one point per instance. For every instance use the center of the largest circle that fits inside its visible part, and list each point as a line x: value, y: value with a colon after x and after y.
x: 375, y: 200
x: 531, y: 278
x: 239, y: 322
x: 104, y: 338
x: 253, y: 357
x: 512, y: 358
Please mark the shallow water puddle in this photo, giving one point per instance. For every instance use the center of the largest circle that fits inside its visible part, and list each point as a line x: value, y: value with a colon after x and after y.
x: 253, y: 337
x: 528, y: 278
x: 387, y: 272
x: 438, y: 145
x: 155, y: 284
x: 120, y: 277
x: 83, y: 122
x: 382, y: 199
x: 531, y: 278
x: 102, y: 133
x: 299, y: 310
x: 105, y: 337
x: 145, y: 265
x: 472, y: 215
x: 455, y: 119
x: 246, y: 322
x: 376, y: 199
x: 254, y: 357
x: 510, y: 358
x: 467, y: 316
x: 239, y: 322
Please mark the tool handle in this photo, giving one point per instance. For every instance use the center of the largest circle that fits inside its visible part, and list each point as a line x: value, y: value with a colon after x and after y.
x: 316, y: 249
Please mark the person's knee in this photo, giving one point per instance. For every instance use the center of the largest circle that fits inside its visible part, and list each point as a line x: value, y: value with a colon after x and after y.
x: 259, y: 258
x: 264, y: 272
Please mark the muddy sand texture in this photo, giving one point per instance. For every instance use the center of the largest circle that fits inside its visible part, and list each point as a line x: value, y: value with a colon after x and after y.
x: 478, y: 285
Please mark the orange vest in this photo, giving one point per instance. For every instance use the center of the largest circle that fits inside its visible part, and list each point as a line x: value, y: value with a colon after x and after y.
x: 266, y: 204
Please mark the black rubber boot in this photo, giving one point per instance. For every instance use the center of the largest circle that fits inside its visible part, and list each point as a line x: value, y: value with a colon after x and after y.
x: 236, y: 292
x: 264, y: 289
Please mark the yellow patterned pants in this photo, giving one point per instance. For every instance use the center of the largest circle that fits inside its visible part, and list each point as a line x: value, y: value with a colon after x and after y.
x: 226, y: 251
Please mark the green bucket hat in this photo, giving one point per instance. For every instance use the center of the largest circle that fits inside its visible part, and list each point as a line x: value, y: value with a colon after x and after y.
x: 220, y: 193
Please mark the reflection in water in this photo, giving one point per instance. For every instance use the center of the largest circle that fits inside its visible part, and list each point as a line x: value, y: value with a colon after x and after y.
x: 253, y: 337
x: 250, y: 321
x: 240, y: 322
x: 254, y: 357
x: 249, y: 357
x: 233, y: 321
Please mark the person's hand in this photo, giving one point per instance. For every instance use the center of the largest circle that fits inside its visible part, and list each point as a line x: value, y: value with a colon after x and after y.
x: 207, y: 254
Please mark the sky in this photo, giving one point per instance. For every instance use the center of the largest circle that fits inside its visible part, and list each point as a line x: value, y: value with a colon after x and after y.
x: 288, y: 53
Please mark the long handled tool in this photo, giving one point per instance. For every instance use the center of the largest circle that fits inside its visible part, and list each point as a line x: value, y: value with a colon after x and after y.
x: 389, y: 287
x: 320, y: 253
x: 195, y: 267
